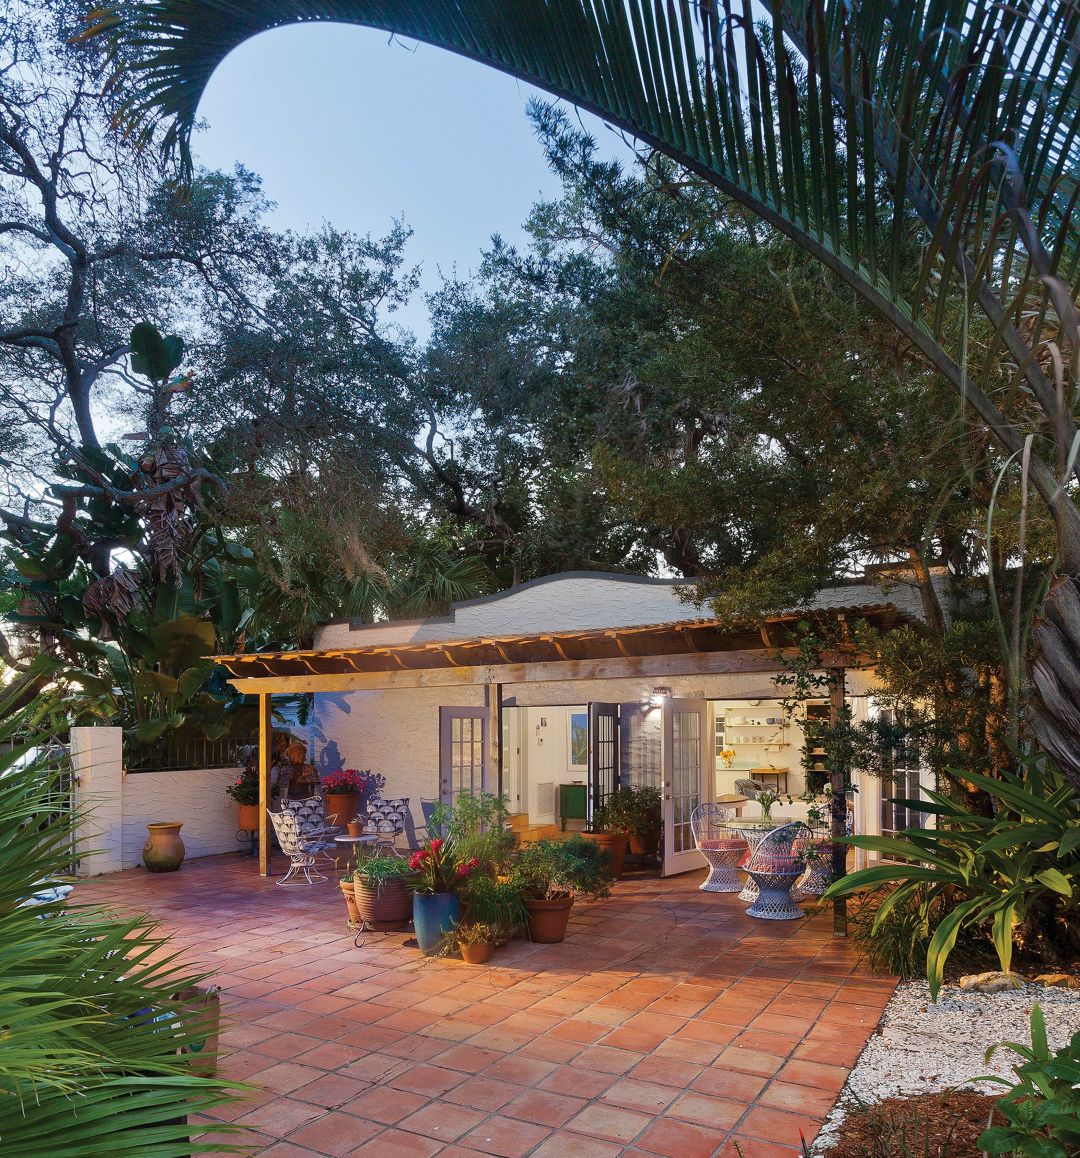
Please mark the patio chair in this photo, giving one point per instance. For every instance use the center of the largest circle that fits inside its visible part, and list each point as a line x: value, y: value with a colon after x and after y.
x: 721, y: 848
x: 310, y: 816
x: 301, y: 852
x: 815, y: 849
x: 387, y: 819
x: 774, y: 866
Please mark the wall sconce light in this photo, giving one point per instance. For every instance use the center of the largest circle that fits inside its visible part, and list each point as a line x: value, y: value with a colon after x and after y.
x: 659, y: 694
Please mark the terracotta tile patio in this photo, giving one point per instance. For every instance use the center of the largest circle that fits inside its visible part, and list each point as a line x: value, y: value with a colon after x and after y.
x: 668, y: 1023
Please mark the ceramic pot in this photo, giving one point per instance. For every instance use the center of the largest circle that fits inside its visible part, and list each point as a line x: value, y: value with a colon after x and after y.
x: 347, y: 892
x: 645, y: 845
x: 248, y: 817
x: 614, y: 844
x: 343, y: 807
x: 355, y: 827
x: 386, y: 909
x: 479, y: 954
x: 434, y: 915
x: 548, y: 919
x: 164, y: 850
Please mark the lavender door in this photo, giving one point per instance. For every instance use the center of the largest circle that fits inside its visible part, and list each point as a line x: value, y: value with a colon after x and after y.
x: 462, y: 752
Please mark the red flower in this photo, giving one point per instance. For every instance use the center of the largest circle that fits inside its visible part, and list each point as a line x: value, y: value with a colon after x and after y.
x: 436, y: 844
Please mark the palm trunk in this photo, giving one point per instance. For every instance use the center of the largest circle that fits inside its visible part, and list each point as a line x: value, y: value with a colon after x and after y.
x: 1055, y: 712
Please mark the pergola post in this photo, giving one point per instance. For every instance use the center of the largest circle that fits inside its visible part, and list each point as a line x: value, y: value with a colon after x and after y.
x: 838, y: 782
x: 493, y: 701
x: 266, y: 737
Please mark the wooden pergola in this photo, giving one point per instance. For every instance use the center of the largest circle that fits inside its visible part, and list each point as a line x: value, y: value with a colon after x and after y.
x: 652, y: 651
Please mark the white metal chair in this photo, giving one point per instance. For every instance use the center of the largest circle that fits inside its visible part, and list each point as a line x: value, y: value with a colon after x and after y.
x: 301, y: 852
x: 721, y: 848
x: 815, y: 849
x: 774, y: 866
x: 386, y: 819
x: 316, y: 831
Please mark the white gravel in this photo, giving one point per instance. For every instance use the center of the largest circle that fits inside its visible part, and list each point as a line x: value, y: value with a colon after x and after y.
x: 922, y: 1047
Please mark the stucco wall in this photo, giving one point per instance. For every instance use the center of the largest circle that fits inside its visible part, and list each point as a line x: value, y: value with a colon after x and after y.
x: 197, y: 798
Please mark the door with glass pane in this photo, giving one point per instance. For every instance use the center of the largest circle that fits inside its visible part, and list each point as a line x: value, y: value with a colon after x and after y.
x: 687, y: 752
x: 603, y: 753
x: 462, y: 752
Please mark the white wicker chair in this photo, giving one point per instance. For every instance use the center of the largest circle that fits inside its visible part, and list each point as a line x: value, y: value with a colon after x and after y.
x: 386, y: 819
x: 815, y: 849
x: 721, y: 848
x: 301, y: 852
x: 310, y: 816
x: 774, y: 866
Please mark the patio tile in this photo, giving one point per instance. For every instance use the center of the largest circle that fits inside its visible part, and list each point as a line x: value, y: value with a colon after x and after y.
x: 335, y: 1135
x: 525, y: 1071
x: 284, y: 1077
x: 750, y: 1061
x: 816, y: 1074
x: 280, y: 1116
x: 798, y: 1099
x: 441, y: 1121
x: 506, y: 1137
x: 610, y: 1122
x: 706, y: 1110
x: 331, y: 1090
x: 731, y: 1084
x: 667, y: 1071
x: 397, y: 1144
x: 649, y: 1097
x: 482, y: 1093
x: 385, y: 1105
x: 681, y: 1140
x: 778, y: 1126
x: 543, y: 1107
x: 566, y: 1145
x: 428, y: 1080
x: 577, y: 1082
x: 468, y: 1058
x: 608, y: 1060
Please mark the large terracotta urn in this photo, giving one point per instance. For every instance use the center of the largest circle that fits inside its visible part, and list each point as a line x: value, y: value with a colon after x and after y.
x: 164, y: 850
x: 614, y: 844
x: 342, y: 806
x: 248, y: 820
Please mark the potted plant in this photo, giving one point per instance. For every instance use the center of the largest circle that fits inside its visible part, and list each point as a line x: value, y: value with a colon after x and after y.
x: 436, y: 876
x: 381, y: 892
x: 637, y: 810
x: 245, y: 791
x: 475, y: 941
x: 348, y: 791
x: 607, y: 831
x: 550, y: 874
x: 346, y: 886
x: 496, y: 902
x: 767, y: 797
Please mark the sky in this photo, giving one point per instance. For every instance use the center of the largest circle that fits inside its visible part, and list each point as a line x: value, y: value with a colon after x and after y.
x: 347, y: 126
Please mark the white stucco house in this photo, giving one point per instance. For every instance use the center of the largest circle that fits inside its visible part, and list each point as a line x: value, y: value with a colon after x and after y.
x: 559, y: 689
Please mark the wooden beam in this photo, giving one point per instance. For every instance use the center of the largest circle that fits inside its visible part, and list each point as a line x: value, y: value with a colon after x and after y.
x: 266, y: 741
x: 644, y: 667
x: 493, y: 701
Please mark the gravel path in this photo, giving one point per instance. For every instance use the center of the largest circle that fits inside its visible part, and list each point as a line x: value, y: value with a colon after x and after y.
x: 922, y: 1047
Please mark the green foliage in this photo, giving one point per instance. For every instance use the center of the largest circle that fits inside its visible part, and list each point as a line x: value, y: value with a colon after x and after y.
x: 1005, y: 867
x: 636, y: 809
x: 495, y: 901
x: 552, y: 869
x: 1042, y: 1108
x: 375, y: 871
x: 152, y: 355
x: 898, y: 943
x: 89, y: 1063
x: 477, y: 827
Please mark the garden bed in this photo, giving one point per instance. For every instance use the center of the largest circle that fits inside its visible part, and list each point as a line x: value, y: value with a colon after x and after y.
x: 922, y: 1048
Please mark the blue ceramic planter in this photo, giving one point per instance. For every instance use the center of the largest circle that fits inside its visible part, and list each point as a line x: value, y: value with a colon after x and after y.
x: 434, y: 915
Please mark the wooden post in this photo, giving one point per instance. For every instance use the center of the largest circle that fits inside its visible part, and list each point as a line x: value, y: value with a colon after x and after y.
x: 493, y: 701
x: 838, y: 781
x: 266, y: 740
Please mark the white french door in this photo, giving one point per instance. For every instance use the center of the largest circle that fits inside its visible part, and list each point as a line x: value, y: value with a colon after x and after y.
x: 462, y: 752
x: 687, y: 753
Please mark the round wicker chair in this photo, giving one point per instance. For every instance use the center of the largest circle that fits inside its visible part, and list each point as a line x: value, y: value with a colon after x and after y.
x: 815, y: 849
x: 774, y: 866
x: 721, y: 848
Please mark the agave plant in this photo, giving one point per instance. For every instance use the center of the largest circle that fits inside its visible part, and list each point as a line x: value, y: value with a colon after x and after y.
x: 925, y: 151
x: 89, y: 1061
x: 1001, y: 866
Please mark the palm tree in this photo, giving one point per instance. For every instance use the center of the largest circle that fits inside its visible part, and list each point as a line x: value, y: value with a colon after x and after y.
x: 924, y: 150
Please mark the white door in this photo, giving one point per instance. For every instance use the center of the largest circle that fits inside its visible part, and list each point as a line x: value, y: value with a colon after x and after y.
x: 462, y: 752
x: 687, y: 753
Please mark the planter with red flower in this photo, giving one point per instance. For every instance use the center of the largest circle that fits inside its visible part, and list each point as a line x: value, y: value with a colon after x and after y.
x: 348, y: 792
x: 245, y: 791
x: 437, y: 875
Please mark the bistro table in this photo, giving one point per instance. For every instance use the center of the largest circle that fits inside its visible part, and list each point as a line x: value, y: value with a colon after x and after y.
x: 753, y: 832
x: 355, y: 843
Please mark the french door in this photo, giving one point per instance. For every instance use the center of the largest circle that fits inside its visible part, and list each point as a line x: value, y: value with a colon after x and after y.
x: 687, y: 753
x: 603, y: 753
x: 463, y: 759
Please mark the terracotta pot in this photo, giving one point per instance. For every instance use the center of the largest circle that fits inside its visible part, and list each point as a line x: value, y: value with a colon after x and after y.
x: 247, y: 817
x: 347, y: 892
x: 645, y: 845
x: 386, y: 910
x: 164, y: 850
x: 343, y: 807
x: 548, y: 919
x: 355, y: 827
x: 614, y: 844
x: 479, y: 954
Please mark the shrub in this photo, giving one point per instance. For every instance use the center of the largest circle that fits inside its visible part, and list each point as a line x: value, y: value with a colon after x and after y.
x: 555, y: 869
x: 636, y: 810
x: 495, y: 902
x: 899, y: 943
x: 478, y: 827
x: 1042, y: 1108
x: 1005, y: 867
